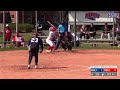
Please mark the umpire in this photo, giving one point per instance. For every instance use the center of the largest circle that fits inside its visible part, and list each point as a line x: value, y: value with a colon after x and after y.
x: 61, y: 32
x: 33, y: 45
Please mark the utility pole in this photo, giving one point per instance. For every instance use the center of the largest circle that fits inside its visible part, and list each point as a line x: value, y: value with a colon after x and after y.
x: 75, y: 31
x: 22, y: 16
x: 16, y: 21
x: 36, y: 20
x: 113, y: 31
x: 3, y: 28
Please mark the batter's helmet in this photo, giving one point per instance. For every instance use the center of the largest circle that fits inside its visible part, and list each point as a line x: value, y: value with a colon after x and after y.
x: 52, y: 28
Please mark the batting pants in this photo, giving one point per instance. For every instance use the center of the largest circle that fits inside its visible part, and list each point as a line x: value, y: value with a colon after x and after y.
x: 51, y: 43
x: 31, y: 54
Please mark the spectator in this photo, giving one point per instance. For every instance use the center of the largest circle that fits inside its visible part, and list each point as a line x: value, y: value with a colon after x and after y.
x: 92, y: 30
x: 118, y: 37
x: 116, y: 30
x: 39, y: 28
x: 83, y: 30
x: 77, y: 39
x: 106, y: 31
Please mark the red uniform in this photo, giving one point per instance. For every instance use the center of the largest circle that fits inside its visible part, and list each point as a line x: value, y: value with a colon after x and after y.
x: 8, y: 33
x: 18, y: 39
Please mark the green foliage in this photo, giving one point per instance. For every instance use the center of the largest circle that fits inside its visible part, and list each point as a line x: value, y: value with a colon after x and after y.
x: 13, y: 48
x: 27, y: 36
x: 22, y: 27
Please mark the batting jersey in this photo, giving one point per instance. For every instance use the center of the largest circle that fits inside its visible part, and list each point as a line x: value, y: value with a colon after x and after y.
x: 51, y: 35
x: 35, y: 43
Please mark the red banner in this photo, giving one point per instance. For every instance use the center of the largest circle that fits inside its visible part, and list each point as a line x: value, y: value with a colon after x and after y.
x: 92, y: 15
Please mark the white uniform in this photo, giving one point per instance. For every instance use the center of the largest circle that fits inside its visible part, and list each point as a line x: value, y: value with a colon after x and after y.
x: 49, y: 39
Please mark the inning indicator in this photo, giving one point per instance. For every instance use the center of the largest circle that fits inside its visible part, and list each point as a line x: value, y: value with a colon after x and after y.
x: 103, y: 70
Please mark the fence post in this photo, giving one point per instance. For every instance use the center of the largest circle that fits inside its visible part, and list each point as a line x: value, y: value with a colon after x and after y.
x: 36, y: 20
x: 16, y: 21
x: 3, y: 28
x: 75, y: 31
x: 113, y: 31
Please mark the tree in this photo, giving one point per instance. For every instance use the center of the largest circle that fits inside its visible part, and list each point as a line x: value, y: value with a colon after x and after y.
x: 56, y: 16
x: 7, y: 17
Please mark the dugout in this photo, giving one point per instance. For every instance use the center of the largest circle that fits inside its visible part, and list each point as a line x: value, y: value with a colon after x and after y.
x: 98, y: 18
x: 87, y: 17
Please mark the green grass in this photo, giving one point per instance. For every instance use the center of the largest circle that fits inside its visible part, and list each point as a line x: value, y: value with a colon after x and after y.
x: 27, y: 36
x: 83, y: 46
x: 10, y: 49
x: 1, y: 36
x: 87, y: 47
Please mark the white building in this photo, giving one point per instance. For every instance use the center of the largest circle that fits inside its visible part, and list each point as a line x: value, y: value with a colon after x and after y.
x: 81, y: 18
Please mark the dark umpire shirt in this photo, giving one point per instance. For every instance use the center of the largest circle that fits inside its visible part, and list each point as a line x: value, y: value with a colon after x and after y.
x: 35, y: 43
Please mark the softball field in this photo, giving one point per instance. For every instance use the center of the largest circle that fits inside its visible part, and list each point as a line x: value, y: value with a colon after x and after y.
x: 57, y: 65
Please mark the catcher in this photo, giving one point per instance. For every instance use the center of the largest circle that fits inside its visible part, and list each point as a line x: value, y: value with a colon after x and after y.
x: 66, y: 42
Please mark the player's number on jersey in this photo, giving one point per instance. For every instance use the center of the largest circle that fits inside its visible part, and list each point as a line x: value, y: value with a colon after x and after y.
x: 34, y: 40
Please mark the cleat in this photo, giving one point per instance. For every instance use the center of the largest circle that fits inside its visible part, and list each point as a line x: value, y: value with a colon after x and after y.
x: 28, y: 67
x: 36, y: 67
x: 48, y: 50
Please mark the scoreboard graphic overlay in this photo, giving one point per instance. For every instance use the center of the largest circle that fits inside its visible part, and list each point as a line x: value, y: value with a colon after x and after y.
x: 103, y: 70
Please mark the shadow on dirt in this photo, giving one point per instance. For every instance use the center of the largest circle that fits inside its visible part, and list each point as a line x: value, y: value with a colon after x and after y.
x: 24, y: 67
x: 51, y: 67
x: 73, y: 51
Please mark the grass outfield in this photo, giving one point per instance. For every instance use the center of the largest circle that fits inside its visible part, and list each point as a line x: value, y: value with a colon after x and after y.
x: 82, y: 46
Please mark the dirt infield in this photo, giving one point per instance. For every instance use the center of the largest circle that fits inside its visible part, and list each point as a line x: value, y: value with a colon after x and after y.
x: 57, y: 65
